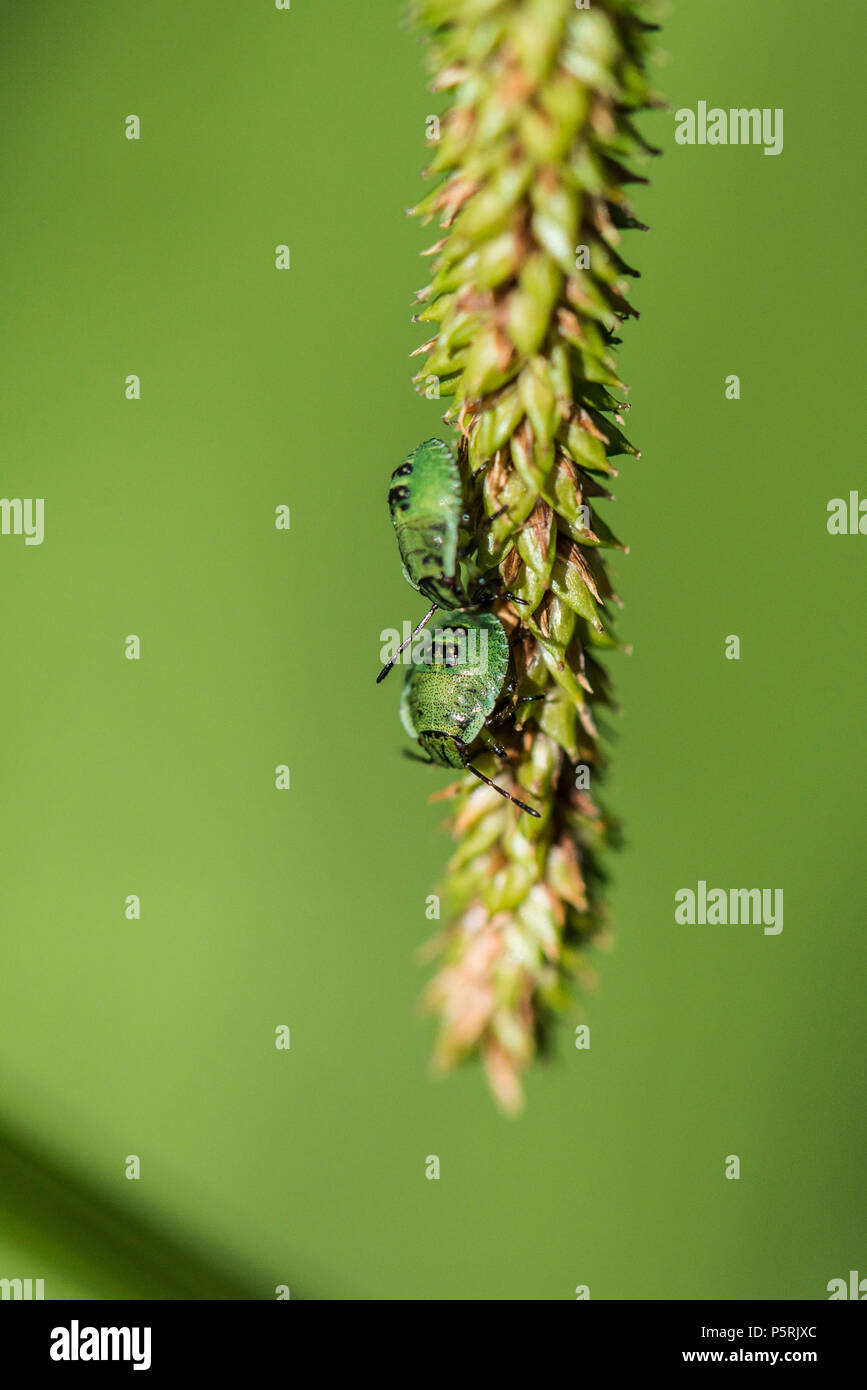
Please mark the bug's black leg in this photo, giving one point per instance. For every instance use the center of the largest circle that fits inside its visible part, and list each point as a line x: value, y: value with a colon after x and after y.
x: 426, y: 619
x: 498, y: 718
x: 514, y: 597
x: 495, y: 747
x: 508, y: 795
x: 504, y: 713
x: 488, y: 520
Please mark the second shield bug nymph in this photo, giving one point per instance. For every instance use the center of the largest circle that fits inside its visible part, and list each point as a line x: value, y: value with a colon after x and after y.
x: 452, y: 692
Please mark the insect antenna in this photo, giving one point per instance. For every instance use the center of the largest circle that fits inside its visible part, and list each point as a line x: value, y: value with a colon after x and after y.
x: 508, y: 795
x: 416, y: 630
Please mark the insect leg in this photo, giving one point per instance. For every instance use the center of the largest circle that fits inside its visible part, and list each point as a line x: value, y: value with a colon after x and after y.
x: 488, y: 520
x: 495, y: 747
x: 498, y: 718
x: 510, y: 708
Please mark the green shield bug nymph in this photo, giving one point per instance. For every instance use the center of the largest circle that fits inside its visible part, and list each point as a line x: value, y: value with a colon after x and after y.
x: 449, y: 700
x: 426, y: 501
x: 429, y: 509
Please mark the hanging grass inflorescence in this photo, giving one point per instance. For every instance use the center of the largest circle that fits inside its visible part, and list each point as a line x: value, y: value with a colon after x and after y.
x: 527, y: 289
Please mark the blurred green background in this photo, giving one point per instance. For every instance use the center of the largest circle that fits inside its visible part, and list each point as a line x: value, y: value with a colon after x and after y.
x: 259, y: 908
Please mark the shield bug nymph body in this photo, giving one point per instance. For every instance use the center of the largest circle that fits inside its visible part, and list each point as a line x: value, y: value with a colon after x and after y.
x: 426, y: 501
x: 431, y: 513
x: 449, y: 700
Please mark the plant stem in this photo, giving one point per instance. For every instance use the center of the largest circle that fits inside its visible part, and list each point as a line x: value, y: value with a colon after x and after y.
x: 526, y: 292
